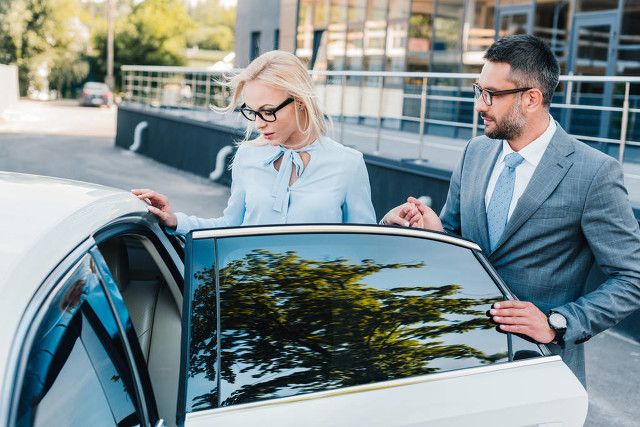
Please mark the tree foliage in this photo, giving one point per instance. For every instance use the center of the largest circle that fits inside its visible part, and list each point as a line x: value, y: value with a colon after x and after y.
x: 153, y: 34
x: 304, y: 325
x: 214, y: 26
x: 44, y: 34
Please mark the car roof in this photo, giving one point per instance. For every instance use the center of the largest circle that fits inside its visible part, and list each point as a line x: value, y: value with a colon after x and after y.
x: 42, y: 219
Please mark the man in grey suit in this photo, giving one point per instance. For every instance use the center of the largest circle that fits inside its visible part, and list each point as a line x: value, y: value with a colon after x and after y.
x: 542, y: 205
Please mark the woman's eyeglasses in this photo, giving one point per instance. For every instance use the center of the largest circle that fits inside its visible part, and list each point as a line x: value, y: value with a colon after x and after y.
x: 487, y: 95
x: 265, y: 115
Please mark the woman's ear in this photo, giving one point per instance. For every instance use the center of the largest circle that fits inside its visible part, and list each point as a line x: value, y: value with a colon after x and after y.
x: 300, y: 105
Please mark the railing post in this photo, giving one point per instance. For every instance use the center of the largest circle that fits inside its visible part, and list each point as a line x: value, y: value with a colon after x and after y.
x: 625, y: 118
x: 344, y: 87
x: 379, y: 121
x: 423, y: 111
x: 208, y: 78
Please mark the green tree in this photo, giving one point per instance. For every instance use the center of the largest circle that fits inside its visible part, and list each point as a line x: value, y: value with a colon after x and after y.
x: 44, y: 34
x: 154, y: 34
x: 311, y: 325
x: 214, y: 26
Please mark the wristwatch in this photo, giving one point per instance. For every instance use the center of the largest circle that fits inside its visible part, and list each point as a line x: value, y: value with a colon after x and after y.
x: 558, y: 323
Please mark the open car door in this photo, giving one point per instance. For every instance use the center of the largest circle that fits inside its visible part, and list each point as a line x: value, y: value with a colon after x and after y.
x: 356, y: 325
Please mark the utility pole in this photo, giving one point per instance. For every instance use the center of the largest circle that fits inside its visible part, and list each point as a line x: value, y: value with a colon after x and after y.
x: 109, y: 79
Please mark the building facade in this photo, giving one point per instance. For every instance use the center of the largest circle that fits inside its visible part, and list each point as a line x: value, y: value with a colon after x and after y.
x: 589, y: 37
x: 594, y: 37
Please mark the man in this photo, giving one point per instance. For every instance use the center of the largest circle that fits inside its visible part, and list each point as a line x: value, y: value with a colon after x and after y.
x: 542, y: 205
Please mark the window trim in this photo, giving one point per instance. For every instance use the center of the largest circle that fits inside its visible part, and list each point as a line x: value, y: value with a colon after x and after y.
x: 25, y: 333
x: 109, y: 287
x: 334, y: 228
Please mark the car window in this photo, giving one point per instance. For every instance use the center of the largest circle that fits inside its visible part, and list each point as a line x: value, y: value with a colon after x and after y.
x: 77, y: 373
x: 300, y: 313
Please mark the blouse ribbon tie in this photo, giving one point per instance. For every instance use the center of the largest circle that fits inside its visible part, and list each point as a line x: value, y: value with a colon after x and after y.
x: 289, y: 158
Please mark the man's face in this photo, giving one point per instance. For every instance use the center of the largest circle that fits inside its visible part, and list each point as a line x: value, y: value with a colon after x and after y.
x: 504, y: 118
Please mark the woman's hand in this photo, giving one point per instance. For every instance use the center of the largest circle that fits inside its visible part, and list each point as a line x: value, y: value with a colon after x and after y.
x: 413, y: 214
x: 159, y: 206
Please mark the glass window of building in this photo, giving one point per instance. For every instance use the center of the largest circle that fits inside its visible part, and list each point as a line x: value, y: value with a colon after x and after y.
x: 377, y: 10
x: 304, y: 36
x: 339, y: 11
x: 399, y: 9
x: 357, y: 10
x: 447, y: 36
x: 596, y: 5
x: 321, y: 13
x: 420, y: 35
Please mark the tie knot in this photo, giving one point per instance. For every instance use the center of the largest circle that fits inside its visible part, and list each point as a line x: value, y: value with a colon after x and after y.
x: 513, y: 160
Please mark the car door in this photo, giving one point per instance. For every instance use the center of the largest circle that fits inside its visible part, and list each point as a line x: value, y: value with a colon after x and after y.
x: 356, y: 325
x: 78, y: 364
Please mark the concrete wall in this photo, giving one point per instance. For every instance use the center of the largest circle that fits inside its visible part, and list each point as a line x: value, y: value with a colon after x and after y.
x: 247, y: 23
x: 192, y: 145
x: 8, y: 86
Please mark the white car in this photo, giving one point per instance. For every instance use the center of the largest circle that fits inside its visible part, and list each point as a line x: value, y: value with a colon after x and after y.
x: 274, y: 326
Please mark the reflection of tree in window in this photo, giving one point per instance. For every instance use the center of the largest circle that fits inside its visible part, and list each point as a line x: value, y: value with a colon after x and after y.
x: 293, y: 326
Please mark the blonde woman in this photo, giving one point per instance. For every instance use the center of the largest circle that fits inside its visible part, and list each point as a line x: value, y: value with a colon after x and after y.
x: 291, y: 173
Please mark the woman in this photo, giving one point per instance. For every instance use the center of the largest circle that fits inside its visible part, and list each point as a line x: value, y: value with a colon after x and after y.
x: 291, y: 173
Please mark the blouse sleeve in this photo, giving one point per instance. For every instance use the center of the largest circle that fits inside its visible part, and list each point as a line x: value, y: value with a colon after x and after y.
x: 357, y: 207
x: 233, y: 214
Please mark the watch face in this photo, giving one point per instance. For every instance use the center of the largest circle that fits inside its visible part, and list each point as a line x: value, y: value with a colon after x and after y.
x: 557, y: 321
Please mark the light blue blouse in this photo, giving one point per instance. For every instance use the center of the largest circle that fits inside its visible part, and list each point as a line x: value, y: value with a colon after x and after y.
x: 333, y: 188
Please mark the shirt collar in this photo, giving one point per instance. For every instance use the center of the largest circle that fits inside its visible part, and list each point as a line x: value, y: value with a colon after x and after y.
x: 534, y: 151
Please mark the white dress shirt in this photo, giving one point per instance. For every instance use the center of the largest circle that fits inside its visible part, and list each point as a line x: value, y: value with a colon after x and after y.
x: 532, y: 154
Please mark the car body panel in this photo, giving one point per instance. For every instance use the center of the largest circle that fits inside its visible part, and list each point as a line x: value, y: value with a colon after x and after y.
x: 502, y: 395
x: 43, y: 220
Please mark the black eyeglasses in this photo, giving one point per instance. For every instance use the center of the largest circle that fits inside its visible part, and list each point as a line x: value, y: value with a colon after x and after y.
x: 487, y: 95
x: 266, y: 115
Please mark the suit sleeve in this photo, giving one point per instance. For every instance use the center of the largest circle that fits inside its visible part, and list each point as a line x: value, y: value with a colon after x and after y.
x: 611, y: 230
x: 450, y: 215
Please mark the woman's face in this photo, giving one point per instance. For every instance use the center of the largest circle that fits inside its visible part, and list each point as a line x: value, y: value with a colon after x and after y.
x: 283, y: 131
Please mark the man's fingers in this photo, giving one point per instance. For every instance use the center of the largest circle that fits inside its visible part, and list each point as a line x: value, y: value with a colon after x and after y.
x: 510, y: 312
x: 511, y: 304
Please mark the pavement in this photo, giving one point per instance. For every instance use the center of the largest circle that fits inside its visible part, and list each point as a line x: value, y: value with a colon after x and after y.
x: 65, y: 140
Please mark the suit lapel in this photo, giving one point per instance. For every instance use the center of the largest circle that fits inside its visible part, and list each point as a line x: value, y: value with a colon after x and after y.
x: 552, y: 168
x: 487, y: 161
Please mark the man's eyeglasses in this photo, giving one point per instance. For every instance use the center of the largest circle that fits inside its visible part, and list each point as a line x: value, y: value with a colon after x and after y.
x: 265, y: 115
x: 487, y: 95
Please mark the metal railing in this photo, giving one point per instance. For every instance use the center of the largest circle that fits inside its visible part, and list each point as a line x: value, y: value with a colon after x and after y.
x: 415, y: 102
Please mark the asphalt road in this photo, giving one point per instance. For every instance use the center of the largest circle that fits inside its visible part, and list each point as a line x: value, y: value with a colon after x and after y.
x: 64, y: 140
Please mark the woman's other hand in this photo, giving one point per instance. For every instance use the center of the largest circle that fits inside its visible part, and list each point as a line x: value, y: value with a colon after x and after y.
x: 159, y: 206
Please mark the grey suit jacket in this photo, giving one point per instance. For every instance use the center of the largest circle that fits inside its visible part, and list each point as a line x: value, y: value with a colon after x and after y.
x: 575, y: 210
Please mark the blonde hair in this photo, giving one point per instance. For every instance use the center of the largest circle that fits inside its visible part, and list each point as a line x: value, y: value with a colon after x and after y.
x: 284, y: 71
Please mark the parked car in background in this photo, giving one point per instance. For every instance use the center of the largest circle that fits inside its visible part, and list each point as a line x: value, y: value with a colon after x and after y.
x: 96, y: 94
x: 292, y: 325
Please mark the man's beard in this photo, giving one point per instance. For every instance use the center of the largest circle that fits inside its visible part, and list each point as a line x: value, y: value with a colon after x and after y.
x: 510, y: 127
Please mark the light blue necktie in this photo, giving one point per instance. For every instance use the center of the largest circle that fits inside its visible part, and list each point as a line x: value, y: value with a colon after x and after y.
x: 281, y: 186
x: 498, y: 211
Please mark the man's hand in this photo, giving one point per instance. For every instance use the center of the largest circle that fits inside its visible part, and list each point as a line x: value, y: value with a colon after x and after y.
x: 413, y: 214
x: 429, y: 219
x: 159, y: 206
x: 521, y: 317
